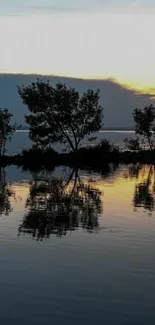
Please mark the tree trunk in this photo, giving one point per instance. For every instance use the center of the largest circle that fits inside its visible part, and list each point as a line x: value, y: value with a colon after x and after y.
x: 76, y: 147
x: 2, y: 176
x: 1, y: 143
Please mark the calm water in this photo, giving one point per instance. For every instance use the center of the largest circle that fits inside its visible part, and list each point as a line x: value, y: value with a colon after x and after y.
x: 21, y: 140
x: 78, y: 247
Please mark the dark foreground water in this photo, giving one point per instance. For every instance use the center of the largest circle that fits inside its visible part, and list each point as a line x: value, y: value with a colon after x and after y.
x: 77, y: 247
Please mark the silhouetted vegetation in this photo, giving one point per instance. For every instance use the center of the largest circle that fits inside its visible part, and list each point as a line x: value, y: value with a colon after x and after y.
x: 97, y: 157
x: 94, y: 157
x: 144, y: 127
x: 36, y: 158
x: 132, y: 144
x: 6, y: 129
x: 60, y: 114
x: 56, y: 206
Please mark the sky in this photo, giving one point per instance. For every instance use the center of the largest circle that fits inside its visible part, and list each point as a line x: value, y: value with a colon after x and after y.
x: 94, y: 39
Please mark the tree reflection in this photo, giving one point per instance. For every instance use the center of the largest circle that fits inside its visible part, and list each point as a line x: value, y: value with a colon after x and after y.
x: 5, y: 194
x: 144, y: 193
x: 135, y: 170
x: 56, y: 206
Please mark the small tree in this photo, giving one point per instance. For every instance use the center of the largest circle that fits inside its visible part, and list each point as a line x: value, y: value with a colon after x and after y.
x: 60, y: 114
x: 145, y: 124
x: 6, y: 129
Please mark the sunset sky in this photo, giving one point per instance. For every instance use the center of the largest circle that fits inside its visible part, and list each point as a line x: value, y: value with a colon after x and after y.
x: 80, y: 38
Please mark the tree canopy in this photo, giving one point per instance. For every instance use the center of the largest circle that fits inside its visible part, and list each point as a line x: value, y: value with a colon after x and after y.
x: 144, y: 127
x: 6, y: 129
x: 60, y: 114
x: 145, y: 124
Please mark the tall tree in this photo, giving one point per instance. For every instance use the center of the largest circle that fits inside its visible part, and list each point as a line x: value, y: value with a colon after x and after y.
x: 6, y: 129
x: 60, y: 114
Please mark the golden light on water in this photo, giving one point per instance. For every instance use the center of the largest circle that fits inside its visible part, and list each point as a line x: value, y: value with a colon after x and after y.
x: 116, y: 190
x: 20, y: 196
x: 126, y: 196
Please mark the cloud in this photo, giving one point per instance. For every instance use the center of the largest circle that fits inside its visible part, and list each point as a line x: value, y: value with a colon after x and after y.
x: 32, y: 6
x: 10, y: 7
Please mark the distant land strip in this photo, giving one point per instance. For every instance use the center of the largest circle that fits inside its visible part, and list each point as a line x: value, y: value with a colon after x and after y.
x: 23, y: 127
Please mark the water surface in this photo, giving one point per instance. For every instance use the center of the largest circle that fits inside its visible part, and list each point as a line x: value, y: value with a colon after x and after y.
x: 20, y: 140
x: 77, y: 247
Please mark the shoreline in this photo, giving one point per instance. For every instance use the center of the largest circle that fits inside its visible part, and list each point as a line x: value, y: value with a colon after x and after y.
x: 83, y: 159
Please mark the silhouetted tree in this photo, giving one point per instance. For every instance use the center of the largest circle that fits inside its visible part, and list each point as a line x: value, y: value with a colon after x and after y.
x: 60, y: 114
x: 6, y: 129
x: 145, y: 124
x: 132, y: 144
x: 56, y: 207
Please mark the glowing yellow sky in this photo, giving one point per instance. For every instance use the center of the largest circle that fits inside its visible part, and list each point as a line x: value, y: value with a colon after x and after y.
x: 116, y: 44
